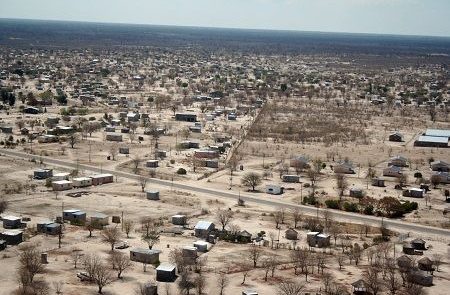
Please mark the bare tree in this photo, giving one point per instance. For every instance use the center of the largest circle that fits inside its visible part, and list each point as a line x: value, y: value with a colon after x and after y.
x: 251, y: 180
x: 111, y: 235
x: 200, y: 283
x: 373, y: 280
x: 128, y: 226
x: 91, y: 226
x: 290, y: 288
x: 114, y: 151
x: 254, y: 254
x: 152, y: 233
x: 277, y: 218
x: 76, y: 257
x: 120, y: 263
x: 341, y: 184
x: 143, y: 182
x: 340, y: 260
x: 30, y: 263
x: 244, y: 268
x: 186, y: 282
x: 224, y: 217
x: 296, y: 215
x: 3, y: 205
x: 98, y: 272
x: 437, y: 260
x: 58, y: 286
x: 136, y: 162
x: 222, y: 283
x: 392, y: 279
x: 74, y: 138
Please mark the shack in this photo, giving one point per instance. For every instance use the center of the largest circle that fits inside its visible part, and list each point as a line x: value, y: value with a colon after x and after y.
x: 147, y: 256
x: 43, y: 173
x: 82, y: 182
x: 11, y: 222
x: 179, y: 219
x: 290, y: 178
x: 62, y: 185
x: 99, y: 179
x: 166, y: 272
x: 12, y: 237
x: 152, y: 195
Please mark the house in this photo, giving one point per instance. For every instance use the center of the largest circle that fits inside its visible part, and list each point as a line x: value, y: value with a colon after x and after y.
x: 31, y: 110
x: 74, y: 215
x: 378, y: 182
x: 152, y: 164
x: 179, y: 219
x: 344, y: 168
x: 201, y: 246
x: 414, y: 193
x: 12, y: 237
x: 186, y: 117
x: 110, y: 129
x: 396, y: 137
x: 203, y: 228
x: 100, y: 219
x: 43, y: 173
x: 82, y: 181
x: 12, y: 222
x: 206, y: 154
x: 442, y: 177
x: 431, y: 141
x: 212, y: 164
x: 438, y: 133
x: 152, y: 195
x: 147, y: 256
x: 291, y: 234
x: 299, y: 162
x: 421, y: 278
x: 48, y: 227
x: 398, y: 161
x: 418, y: 244
x: 62, y: 185
x: 290, y: 178
x: 99, y: 179
x: 360, y: 287
x: 440, y: 166
x: 425, y: 264
x: 165, y: 272
x: 392, y: 171
x: 274, y: 189
x: 61, y: 176
x: 114, y: 137
x: 124, y: 150
x: 356, y: 192
x: 316, y: 239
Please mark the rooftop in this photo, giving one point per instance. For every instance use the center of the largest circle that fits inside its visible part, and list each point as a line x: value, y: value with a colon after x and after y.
x: 438, y: 132
x: 436, y: 139
x: 166, y: 267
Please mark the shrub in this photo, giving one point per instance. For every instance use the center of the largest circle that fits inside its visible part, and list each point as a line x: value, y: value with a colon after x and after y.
x: 311, y: 200
x: 351, y: 207
x: 368, y: 210
x: 332, y: 204
x: 181, y: 171
x: 172, y: 161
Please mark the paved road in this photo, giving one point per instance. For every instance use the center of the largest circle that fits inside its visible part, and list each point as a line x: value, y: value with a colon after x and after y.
x: 397, y: 225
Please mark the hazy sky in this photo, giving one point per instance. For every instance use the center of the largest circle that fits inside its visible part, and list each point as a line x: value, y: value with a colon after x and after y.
x: 416, y: 17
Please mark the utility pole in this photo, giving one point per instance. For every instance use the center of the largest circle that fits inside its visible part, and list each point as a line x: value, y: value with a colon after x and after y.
x: 122, y: 221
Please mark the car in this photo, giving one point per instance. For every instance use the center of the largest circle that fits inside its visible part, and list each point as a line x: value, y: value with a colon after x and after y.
x: 122, y: 245
x: 84, y: 276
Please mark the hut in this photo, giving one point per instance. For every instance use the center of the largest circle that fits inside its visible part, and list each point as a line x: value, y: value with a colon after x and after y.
x: 42, y: 173
x: 152, y: 164
x: 74, y: 215
x: 413, y: 193
x: 201, y: 246
x: 124, y: 150
x: 62, y: 185
x: 421, y: 278
x: 418, y: 244
x: 152, y: 195
x: 2, y: 245
x: 408, y: 249
x: 114, y: 137
x: 356, y: 192
x: 404, y: 262
x: 165, y: 272
x: 274, y: 189
x: 82, y: 182
x: 147, y: 256
x: 396, y: 137
x: 291, y: 234
x: 360, y: 287
x: 149, y: 289
x: 203, y: 228
x: 425, y: 264
x: 291, y: 178
x: 100, y: 219
x: 179, y: 219
x: 378, y: 182
x: 12, y: 237
x: 12, y: 222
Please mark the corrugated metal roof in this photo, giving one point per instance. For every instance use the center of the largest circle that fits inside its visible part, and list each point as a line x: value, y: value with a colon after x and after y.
x: 436, y: 139
x: 438, y: 132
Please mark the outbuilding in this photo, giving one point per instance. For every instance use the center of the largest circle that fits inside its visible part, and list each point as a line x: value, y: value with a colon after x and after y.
x: 61, y: 176
x: 100, y: 219
x: 42, y: 173
x: 82, y: 181
x: 147, y: 256
x: 62, y: 185
x: 152, y: 195
x: 152, y: 164
x: 201, y: 246
x: 179, y: 219
x: 291, y: 234
x: 74, y: 215
x: 12, y: 222
x: 166, y: 272
x: 12, y: 237
x: 290, y: 178
x: 100, y: 179
x: 273, y: 189
x: 114, y: 137
x: 203, y: 228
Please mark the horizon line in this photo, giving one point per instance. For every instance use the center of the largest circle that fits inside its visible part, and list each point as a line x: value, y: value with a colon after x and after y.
x: 229, y: 28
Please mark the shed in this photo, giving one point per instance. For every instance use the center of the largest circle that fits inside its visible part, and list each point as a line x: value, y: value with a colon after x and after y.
x: 179, y: 219
x: 378, y: 182
x: 421, y: 278
x: 396, y: 137
x: 344, y: 168
x: 152, y: 195
x: 418, y: 244
x: 440, y: 166
x: 53, y: 228
x: 212, y: 164
x: 166, y: 272
x: 62, y: 185
x: 100, y: 219
x: 408, y: 249
x: 2, y: 245
x: 291, y: 234
x: 290, y: 178
x: 189, y: 252
x: 425, y: 264
x: 273, y: 189
x: 74, y: 215
x: 249, y: 292
x: 61, y: 176
x: 356, y: 192
x: 413, y: 193
x: 114, y: 137
x: 147, y: 256
x: 186, y: 117
x: 152, y: 164
x: 201, y: 246
x: 11, y: 222
x: 12, y: 237
x: 398, y: 161
x: 99, y: 179
x: 359, y: 287
x: 203, y: 228
x: 43, y: 173
x: 404, y: 261
x: 124, y: 150
x: 393, y: 171
x: 82, y: 181
x: 149, y: 289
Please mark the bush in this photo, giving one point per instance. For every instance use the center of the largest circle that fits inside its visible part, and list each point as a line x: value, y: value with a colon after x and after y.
x: 350, y: 207
x: 332, y: 204
x: 409, y: 206
x: 311, y: 200
x: 368, y: 210
x: 172, y: 161
x: 181, y: 171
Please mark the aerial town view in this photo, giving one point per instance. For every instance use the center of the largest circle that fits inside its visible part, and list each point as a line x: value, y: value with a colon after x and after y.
x: 224, y: 147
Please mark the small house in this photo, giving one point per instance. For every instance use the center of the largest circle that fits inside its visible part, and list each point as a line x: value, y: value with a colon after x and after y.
x: 404, y: 262
x: 12, y: 222
x: 82, y: 181
x: 274, y: 189
x: 356, y: 192
x: 43, y: 173
x: 124, y: 150
x: 52, y: 229
x: 393, y: 171
x: 152, y: 195
x: 344, y: 168
x: 201, y: 246
x: 398, y: 161
x: 249, y: 292
x: 291, y: 234
x: 421, y: 278
x: 74, y: 215
x: 186, y: 117
x: 203, y: 228
x: 291, y: 178
x: 147, y: 256
x: 360, y: 287
x: 99, y: 179
x: 425, y: 264
x: 418, y: 244
x: 316, y: 239
x: 212, y: 164
x: 440, y: 166
x: 166, y: 272
x: 152, y: 164
x: 179, y: 219
x: 62, y: 185
x: 409, y: 249
x: 396, y: 137
x: 379, y: 182
x: 100, y: 219
x: 12, y: 237
x: 61, y: 176
x: 414, y: 193
x: 114, y: 137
